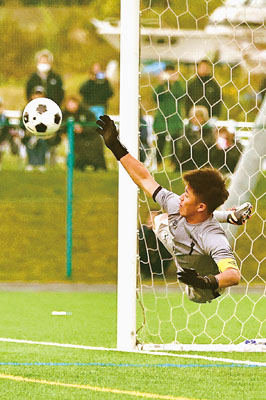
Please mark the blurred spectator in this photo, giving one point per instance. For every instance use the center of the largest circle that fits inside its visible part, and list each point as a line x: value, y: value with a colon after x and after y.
x: 197, y: 141
x: 46, y: 77
x: 112, y: 71
x: 37, y: 148
x: 225, y: 154
x: 203, y: 90
x: 154, y: 258
x: 96, y: 91
x: 262, y: 90
x: 169, y: 96
x: 88, y: 145
x: 143, y: 144
x: 7, y: 133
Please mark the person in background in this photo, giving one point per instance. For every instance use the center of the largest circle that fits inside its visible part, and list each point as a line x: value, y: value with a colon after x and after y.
x: 195, y: 145
x: 8, y: 135
x: 226, y: 152
x: 262, y: 91
x: 169, y: 97
x: 143, y: 143
x: 88, y: 146
x: 96, y: 91
x: 36, y: 147
x: 44, y: 76
x: 203, y: 90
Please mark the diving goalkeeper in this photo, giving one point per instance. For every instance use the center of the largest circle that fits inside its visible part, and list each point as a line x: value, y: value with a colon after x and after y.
x: 202, y: 253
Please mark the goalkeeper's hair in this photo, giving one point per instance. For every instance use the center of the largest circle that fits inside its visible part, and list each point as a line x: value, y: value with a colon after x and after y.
x: 208, y: 185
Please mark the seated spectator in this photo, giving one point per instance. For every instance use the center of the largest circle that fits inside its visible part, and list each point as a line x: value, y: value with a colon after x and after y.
x: 37, y: 148
x: 96, y: 91
x: 88, y: 145
x: 8, y: 135
x: 225, y: 154
x: 154, y: 258
x: 197, y: 141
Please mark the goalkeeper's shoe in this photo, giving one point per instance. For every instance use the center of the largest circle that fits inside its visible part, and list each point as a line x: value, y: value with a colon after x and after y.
x: 240, y: 214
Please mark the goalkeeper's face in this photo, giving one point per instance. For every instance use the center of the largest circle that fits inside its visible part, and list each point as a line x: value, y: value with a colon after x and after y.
x: 190, y: 205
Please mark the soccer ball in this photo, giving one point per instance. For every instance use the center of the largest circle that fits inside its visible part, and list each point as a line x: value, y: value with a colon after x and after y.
x: 42, y: 117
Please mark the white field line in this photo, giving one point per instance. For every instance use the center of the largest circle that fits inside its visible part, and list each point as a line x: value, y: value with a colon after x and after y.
x: 158, y: 353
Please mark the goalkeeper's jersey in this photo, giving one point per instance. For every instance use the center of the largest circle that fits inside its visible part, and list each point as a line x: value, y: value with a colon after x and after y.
x: 201, y: 246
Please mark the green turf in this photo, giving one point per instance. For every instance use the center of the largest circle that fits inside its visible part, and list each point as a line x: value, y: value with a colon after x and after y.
x: 172, y: 317
x: 28, y: 316
x: 33, y: 226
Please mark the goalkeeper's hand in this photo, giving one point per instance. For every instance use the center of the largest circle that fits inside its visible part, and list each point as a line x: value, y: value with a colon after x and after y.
x: 190, y: 277
x: 109, y: 133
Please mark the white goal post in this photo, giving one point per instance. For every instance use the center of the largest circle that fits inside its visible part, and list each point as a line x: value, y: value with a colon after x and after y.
x: 128, y: 203
x: 156, y: 306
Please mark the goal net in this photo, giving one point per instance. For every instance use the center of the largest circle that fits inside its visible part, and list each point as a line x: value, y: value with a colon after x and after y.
x: 201, y: 104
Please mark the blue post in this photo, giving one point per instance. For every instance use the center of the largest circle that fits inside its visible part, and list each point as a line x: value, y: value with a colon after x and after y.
x: 70, y: 167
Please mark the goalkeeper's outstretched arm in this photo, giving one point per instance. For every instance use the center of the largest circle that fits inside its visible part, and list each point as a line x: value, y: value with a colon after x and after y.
x: 141, y: 176
x: 136, y: 170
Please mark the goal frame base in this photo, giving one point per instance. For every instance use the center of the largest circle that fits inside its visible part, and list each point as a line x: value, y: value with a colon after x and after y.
x: 258, y: 347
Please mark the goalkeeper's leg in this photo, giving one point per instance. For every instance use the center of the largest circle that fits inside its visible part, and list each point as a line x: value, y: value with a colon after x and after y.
x: 240, y: 214
x: 236, y: 216
x: 161, y: 229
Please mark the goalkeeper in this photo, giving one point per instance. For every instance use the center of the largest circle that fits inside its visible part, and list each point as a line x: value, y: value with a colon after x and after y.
x: 202, y: 253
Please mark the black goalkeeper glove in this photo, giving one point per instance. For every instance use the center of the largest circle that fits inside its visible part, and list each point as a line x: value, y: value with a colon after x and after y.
x: 190, y: 277
x: 109, y: 133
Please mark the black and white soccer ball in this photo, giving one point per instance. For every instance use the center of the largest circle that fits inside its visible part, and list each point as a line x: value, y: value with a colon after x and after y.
x: 42, y: 117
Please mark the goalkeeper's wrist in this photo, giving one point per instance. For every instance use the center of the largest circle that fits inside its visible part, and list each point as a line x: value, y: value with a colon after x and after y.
x: 118, y: 149
x: 212, y: 281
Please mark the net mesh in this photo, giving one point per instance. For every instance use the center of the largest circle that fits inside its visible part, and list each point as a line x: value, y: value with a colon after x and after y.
x: 201, y: 91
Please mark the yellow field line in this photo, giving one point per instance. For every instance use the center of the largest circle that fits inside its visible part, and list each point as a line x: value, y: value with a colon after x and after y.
x: 93, y: 388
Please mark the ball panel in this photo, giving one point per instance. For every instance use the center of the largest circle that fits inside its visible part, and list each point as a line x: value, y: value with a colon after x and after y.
x: 57, y: 119
x: 41, y: 128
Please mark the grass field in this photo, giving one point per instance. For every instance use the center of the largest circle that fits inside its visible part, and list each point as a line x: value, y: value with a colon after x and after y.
x: 171, y: 317
x: 29, y: 371
x: 32, y: 231
x: 33, y: 227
